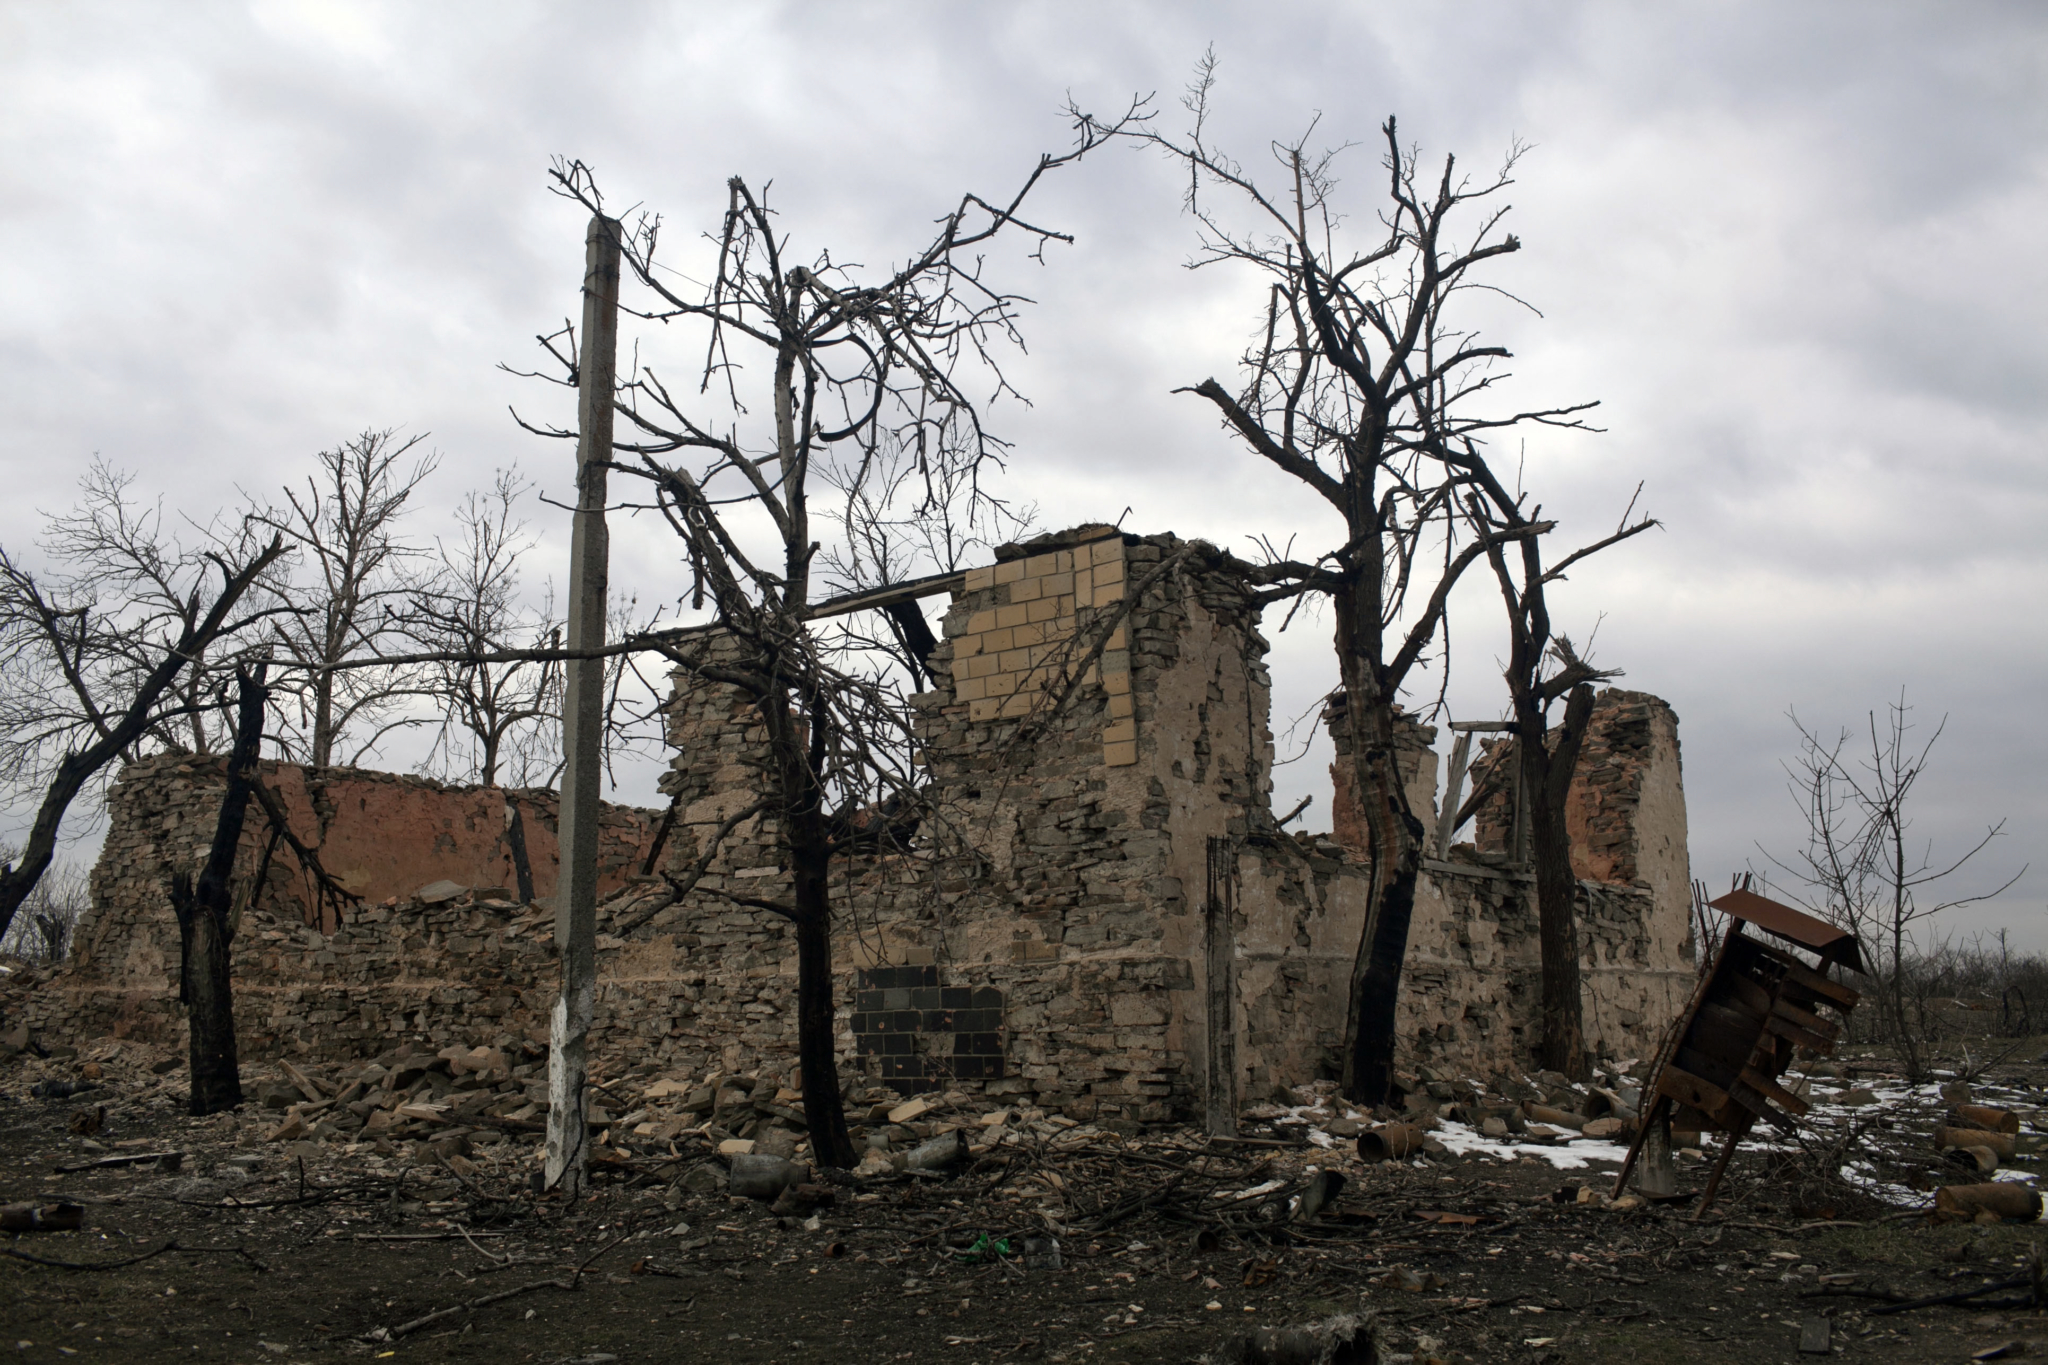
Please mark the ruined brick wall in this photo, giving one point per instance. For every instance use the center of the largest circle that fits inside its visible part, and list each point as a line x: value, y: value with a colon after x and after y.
x: 379, y: 834
x: 1047, y: 937
x: 1626, y: 808
x: 1043, y: 943
x: 1471, y: 988
x: 1414, y: 752
x: 1044, y: 947
x: 383, y: 836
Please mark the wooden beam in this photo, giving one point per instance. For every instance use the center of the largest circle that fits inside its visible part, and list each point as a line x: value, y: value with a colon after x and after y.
x: 1454, y: 792
x: 1687, y: 1088
x: 1772, y: 1091
x: 889, y: 594
x: 1807, y: 1020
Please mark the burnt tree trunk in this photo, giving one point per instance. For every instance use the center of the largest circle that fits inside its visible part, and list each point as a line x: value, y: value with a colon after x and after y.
x: 515, y: 839
x: 799, y: 751
x: 205, y: 983
x: 1546, y: 781
x: 1394, y: 846
x: 824, y: 1113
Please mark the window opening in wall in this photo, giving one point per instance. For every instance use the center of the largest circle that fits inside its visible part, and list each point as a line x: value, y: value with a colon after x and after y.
x: 1456, y: 814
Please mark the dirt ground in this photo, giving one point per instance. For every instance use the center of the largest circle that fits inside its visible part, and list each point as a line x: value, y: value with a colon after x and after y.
x: 263, y: 1251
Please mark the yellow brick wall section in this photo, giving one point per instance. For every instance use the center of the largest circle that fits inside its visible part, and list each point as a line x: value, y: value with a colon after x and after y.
x: 1001, y: 662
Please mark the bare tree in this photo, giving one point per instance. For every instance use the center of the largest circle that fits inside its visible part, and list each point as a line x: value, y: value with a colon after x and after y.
x: 1364, y: 385
x: 636, y: 686
x: 1546, y: 763
x: 849, y: 362
x: 351, y: 576
x: 1860, y: 867
x: 500, y: 721
x: 105, y: 656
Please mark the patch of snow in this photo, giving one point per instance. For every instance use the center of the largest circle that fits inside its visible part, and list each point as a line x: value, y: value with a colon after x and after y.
x: 1462, y: 1140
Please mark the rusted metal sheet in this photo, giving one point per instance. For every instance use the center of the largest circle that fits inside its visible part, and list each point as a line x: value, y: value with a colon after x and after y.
x: 1834, y: 945
x: 1722, y: 1060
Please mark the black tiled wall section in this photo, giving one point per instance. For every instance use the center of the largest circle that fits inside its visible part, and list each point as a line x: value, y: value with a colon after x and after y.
x: 921, y: 1031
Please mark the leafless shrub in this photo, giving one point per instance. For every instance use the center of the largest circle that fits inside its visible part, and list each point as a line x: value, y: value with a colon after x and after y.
x: 44, y: 926
x: 1861, y: 868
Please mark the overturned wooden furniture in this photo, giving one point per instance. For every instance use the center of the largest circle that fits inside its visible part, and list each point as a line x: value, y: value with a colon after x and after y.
x: 1719, y: 1067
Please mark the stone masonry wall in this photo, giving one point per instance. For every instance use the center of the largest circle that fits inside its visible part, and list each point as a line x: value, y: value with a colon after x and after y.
x: 1471, y: 985
x: 1045, y: 938
x: 381, y: 835
x: 1053, y: 890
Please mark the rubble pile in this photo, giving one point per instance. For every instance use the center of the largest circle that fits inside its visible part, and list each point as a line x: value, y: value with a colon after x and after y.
x: 1870, y: 1138
x: 1460, y: 1208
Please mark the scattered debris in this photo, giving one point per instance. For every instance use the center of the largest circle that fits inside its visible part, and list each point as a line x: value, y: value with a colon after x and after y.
x: 1998, y: 1201
x: 42, y: 1218
x: 1346, y: 1339
x: 1490, y: 1214
x: 1726, y: 1053
x: 1815, y: 1337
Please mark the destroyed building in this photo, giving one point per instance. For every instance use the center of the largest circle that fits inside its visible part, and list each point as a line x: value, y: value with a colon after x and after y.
x: 1102, y: 914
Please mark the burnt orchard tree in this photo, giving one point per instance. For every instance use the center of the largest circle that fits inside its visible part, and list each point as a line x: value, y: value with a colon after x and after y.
x: 206, y: 919
x: 811, y: 367
x: 1367, y: 384
x: 1541, y: 669
x: 113, y: 651
x: 500, y: 721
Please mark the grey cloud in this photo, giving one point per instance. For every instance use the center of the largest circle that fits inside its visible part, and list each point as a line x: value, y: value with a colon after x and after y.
x: 1792, y: 249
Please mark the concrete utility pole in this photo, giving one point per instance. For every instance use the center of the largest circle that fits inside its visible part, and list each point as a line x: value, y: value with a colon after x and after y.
x: 583, y: 719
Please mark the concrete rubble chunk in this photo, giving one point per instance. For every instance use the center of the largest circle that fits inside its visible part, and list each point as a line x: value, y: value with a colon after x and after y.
x: 436, y: 893
x: 948, y: 1149
x: 776, y: 1142
x: 278, y: 1095
x: 472, y: 1061
x: 911, y: 1112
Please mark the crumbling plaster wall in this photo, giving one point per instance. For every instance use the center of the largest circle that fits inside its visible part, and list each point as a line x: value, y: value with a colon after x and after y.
x: 1471, y: 984
x: 1470, y: 988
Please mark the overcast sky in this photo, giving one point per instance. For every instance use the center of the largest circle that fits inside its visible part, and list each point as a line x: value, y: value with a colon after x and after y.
x: 1793, y: 250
